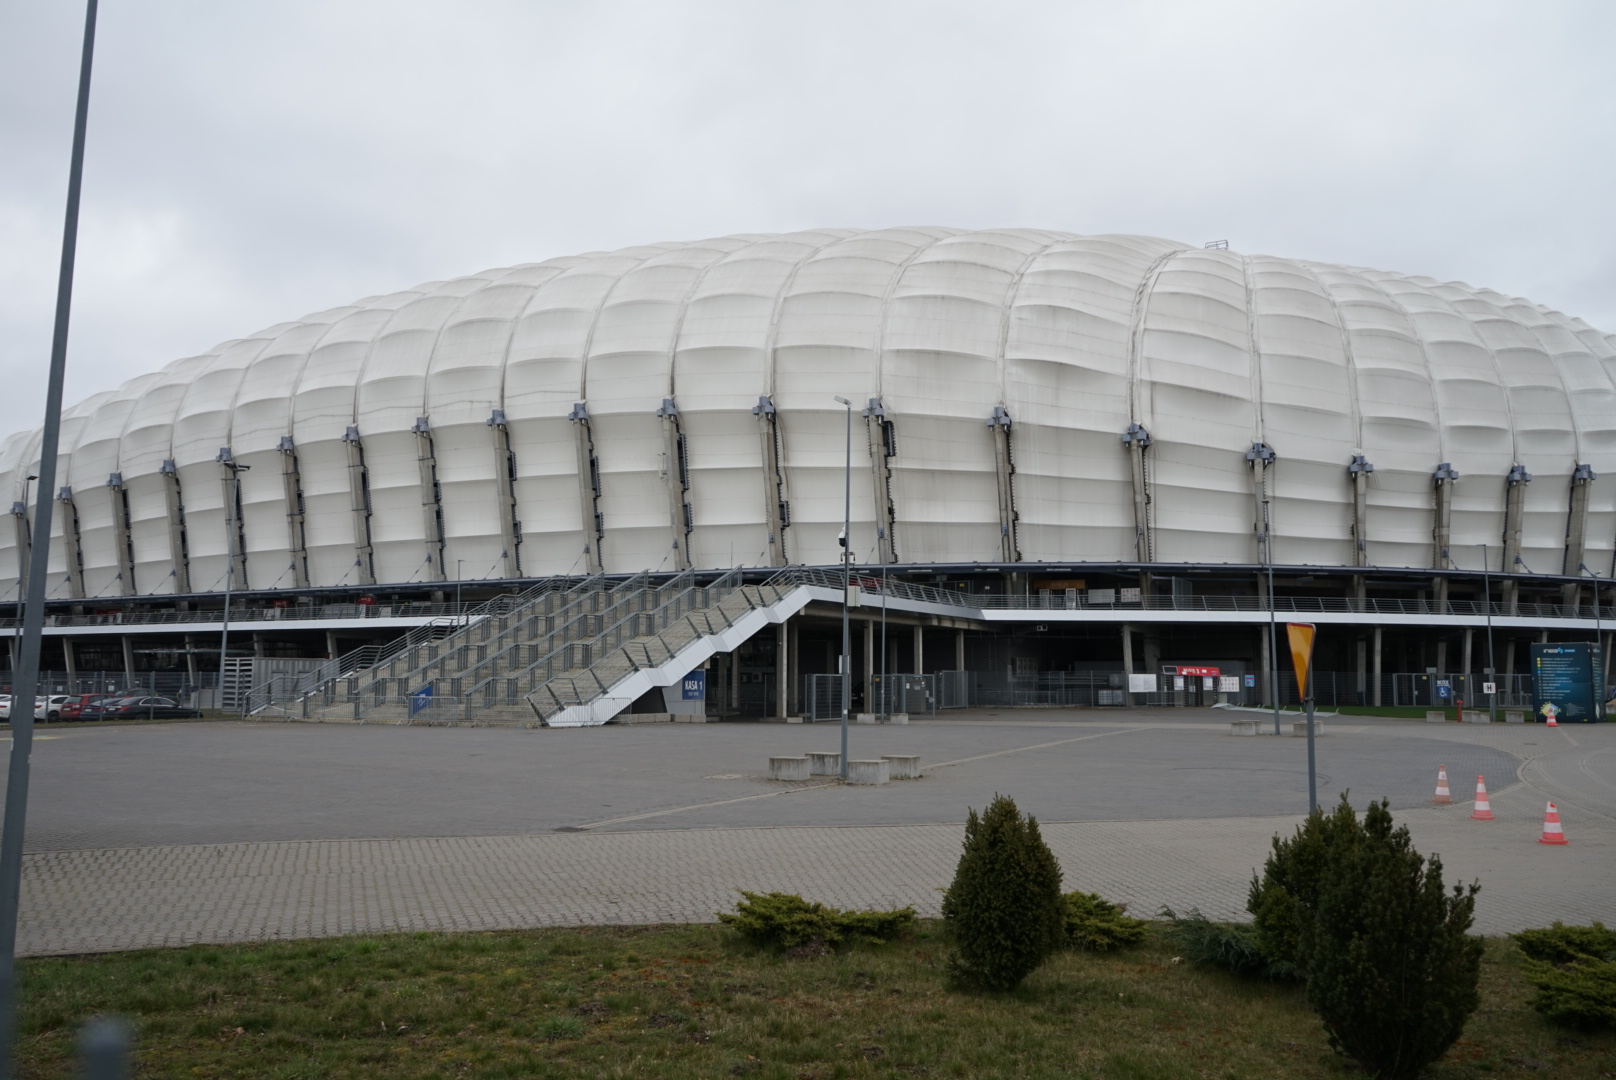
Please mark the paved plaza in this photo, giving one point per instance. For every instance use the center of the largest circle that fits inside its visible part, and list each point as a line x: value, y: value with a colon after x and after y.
x: 173, y: 834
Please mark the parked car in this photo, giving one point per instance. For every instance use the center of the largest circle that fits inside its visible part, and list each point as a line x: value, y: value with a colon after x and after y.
x: 50, y: 708
x: 96, y: 705
x: 147, y: 708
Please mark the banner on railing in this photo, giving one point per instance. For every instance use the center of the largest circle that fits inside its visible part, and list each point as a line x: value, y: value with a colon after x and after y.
x: 421, y: 700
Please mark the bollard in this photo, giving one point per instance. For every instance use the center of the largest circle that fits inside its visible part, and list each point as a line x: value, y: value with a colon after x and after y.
x: 104, y: 1049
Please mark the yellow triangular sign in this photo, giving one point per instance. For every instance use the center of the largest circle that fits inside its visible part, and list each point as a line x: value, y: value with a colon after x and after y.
x: 1301, y: 638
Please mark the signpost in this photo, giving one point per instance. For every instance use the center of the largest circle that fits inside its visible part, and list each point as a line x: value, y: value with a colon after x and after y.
x: 1301, y: 641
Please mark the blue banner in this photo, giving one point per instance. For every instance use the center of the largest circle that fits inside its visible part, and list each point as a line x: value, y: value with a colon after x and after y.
x: 694, y: 687
x: 421, y: 699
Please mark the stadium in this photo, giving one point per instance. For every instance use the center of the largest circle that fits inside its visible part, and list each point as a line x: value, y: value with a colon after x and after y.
x: 552, y: 492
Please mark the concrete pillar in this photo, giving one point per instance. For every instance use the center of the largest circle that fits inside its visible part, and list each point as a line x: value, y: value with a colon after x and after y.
x: 1441, y: 657
x: 1377, y: 665
x: 793, y: 692
x: 959, y: 650
x: 128, y: 661
x: 1509, y: 659
x: 331, y: 645
x: 1469, y: 643
x: 190, y: 659
x: 1265, y: 679
x: 869, y: 665
x: 68, y: 659
x: 735, y: 681
x: 920, y: 650
x: 1127, y: 663
x: 782, y: 674
x: 1363, y: 669
x: 1542, y: 637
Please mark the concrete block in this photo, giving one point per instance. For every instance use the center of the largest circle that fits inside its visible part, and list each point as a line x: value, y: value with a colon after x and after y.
x: 1436, y: 716
x: 825, y: 764
x: 642, y: 718
x: 869, y: 772
x: 782, y: 720
x: 1299, y: 728
x: 1242, y: 727
x: 788, y: 768
x: 864, y: 718
x: 903, y: 766
x: 683, y: 718
x: 898, y: 718
x: 1477, y: 716
x: 1514, y: 716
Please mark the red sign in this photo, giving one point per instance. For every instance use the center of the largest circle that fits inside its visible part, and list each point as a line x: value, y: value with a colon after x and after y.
x: 1202, y: 671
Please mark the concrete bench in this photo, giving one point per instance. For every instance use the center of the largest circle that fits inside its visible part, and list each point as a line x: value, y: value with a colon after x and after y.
x: 1477, y: 716
x: 898, y: 718
x: 1299, y: 728
x: 825, y: 764
x: 869, y: 772
x: 864, y: 718
x: 1514, y: 716
x: 1242, y: 727
x: 788, y: 768
x: 1436, y: 716
x: 903, y: 766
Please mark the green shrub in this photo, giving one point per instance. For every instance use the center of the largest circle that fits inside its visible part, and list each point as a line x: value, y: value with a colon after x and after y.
x: 1574, y: 971
x: 1094, y: 924
x: 1230, y: 946
x: 1581, y: 995
x: 785, y: 921
x: 1390, y: 967
x: 1562, y: 944
x: 1283, y: 901
x: 1005, y: 906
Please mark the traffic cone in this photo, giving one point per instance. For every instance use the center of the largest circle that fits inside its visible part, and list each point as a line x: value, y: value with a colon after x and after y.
x: 1552, y: 833
x: 1442, y: 794
x: 1484, y: 809
x: 1552, y: 721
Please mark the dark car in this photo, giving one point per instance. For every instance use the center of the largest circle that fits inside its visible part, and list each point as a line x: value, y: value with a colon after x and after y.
x: 96, y: 705
x: 147, y: 708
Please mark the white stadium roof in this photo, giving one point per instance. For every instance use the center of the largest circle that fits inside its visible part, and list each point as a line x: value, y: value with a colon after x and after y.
x: 438, y: 431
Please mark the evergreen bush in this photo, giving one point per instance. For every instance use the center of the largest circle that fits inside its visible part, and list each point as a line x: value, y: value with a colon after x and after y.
x: 1004, y: 906
x: 1230, y: 946
x: 1390, y: 967
x: 1094, y: 924
x: 1574, y: 971
x: 785, y: 921
x: 1283, y: 901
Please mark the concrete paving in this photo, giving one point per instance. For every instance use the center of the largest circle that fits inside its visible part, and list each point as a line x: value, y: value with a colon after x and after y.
x: 171, y: 834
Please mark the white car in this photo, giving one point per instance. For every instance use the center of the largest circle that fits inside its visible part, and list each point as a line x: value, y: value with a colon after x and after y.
x: 50, y: 708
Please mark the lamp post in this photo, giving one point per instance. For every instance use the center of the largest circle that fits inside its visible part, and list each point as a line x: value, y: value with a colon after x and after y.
x: 1492, y: 665
x: 231, y: 527
x: 16, y: 631
x: 26, y: 677
x: 847, y: 581
x: 1599, y: 651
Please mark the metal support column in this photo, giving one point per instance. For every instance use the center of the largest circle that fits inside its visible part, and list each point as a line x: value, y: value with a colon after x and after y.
x: 1137, y: 440
x: 592, y: 524
x: 1514, y: 512
x: 1127, y: 664
x: 676, y: 476
x: 72, y: 549
x: 128, y: 660
x: 1360, y: 469
x: 883, y: 439
x: 869, y: 667
x: 292, y: 490
x: 359, y: 505
x: 1576, y: 549
x: 1376, y: 676
x: 920, y: 650
x: 1005, y: 469
x: 179, y: 546
x: 121, y: 534
x: 510, y: 526
x: 426, y: 460
x: 959, y: 650
x: 776, y: 508
x: 1442, y: 480
x: 782, y: 670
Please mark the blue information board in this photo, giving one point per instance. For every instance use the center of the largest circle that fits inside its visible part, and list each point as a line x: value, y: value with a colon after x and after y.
x: 694, y: 687
x: 1563, y: 683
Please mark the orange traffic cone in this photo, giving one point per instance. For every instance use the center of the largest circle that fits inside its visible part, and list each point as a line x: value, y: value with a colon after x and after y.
x: 1552, y: 833
x: 1552, y: 721
x: 1484, y: 809
x: 1442, y: 794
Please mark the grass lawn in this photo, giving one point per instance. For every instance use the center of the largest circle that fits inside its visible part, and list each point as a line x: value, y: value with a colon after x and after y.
x: 692, y: 1001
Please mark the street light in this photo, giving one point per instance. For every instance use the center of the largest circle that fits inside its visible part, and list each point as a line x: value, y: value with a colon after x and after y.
x: 1599, y: 652
x: 231, y: 526
x: 16, y: 631
x: 847, y: 581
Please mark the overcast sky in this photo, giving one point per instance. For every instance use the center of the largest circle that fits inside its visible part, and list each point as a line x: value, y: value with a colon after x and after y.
x: 251, y: 162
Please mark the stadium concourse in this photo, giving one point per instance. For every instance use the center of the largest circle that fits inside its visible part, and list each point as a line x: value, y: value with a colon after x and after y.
x: 552, y: 492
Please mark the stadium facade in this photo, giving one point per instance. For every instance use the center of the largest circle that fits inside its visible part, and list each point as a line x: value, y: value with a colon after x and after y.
x: 1103, y: 420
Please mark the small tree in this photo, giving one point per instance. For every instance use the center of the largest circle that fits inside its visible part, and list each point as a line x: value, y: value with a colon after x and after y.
x: 1005, y: 904
x: 1390, y: 967
x: 1284, y: 901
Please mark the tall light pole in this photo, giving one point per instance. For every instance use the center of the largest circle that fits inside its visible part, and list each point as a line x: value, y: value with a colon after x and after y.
x: 16, y: 631
x: 1492, y: 664
x: 847, y: 581
x: 1599, y: 651
x: 231, y: 528
x: 26, y: 678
